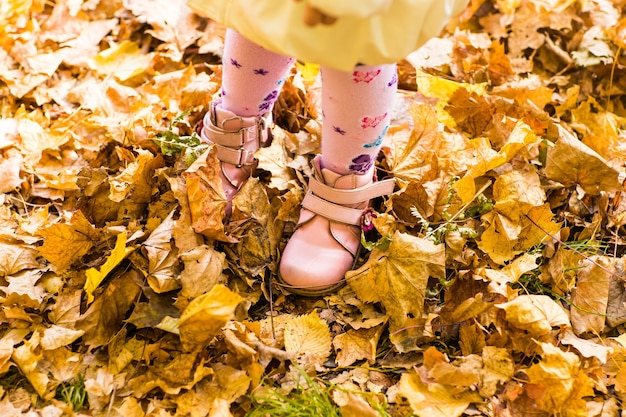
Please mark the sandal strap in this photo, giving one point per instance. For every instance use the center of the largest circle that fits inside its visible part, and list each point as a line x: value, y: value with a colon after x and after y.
x: 330, y: 202
x: 230, y: 141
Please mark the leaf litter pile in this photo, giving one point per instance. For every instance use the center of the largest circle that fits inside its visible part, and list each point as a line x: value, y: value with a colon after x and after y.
x: 493, y: 279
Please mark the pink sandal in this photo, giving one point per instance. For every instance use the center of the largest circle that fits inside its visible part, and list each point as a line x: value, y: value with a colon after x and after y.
x: 328, y: 235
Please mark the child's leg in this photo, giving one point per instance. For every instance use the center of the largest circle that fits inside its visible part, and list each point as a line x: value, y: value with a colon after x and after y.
x: 356, y: 109
x: 238, y: 122
x: 252, y: 76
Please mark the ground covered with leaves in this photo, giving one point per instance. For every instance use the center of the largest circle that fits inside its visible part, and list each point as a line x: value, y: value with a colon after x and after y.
x: 493, y: 282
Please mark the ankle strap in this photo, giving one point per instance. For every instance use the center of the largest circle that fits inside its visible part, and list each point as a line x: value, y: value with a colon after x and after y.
x: 330, y: 202
x: 236, y: 138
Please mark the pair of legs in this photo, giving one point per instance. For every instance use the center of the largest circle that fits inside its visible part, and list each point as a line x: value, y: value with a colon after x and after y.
x: 356, y: 109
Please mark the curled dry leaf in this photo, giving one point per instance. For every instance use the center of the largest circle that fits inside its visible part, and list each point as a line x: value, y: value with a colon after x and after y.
x: 537, y: 314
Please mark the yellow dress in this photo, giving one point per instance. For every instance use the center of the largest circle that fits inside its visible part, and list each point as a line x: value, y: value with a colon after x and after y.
x: 370, y: 32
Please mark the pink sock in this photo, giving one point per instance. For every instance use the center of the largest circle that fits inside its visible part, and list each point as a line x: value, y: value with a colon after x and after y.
x: 356, y: 109
x: 252, y: 76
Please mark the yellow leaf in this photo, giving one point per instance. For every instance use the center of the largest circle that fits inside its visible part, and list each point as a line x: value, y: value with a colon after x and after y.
x: 488, y: 159
x: 124, y: 60
x: 57, y: 336
x: 591, y: 295
x: 442, y: 89
x: 134, y: 182
x: 354, y: 405
x: 308, y: 71
x: 558, y: 383
x: 463, y: 373
x: 537, y: 226
x: 434, y: 399
x: 355, y: 345
x: 95, y: 277
x: 571, y: 162
x: 498, y: 368
x: 516, y: 192
x: 66, y: 243
x: 397, y: 277
x: 24, y: 290
x: 500, y: 238
x: 537, y: 314
x: 205, y: 316
x: 308, y: 335
x: 203, y: 269
x: 500, y: 278
x: 28, y: 357
x: 163, y: 259
x: 587, y: 347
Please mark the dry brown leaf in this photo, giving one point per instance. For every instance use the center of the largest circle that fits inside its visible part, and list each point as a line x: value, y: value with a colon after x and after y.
x: 570, y: 162
x: 207, y: 201
x: 102, y: 319
x: 355, y: 345
x: 203, y: 269
x: 163, y: 270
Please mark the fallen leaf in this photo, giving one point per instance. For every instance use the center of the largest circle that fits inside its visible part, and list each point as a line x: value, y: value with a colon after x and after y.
x: 124, y: 61
x: 433, y: 399
x: 55, y: 337
x: 64, y: 244
x: 587, y: 348
x: 95, y: 276
x: 397, y: 277
x: 570, y: 162
x: 308, y: 336
x: 558, y: 382
x: 488, y: 159
x: 207, y: 201
x: 537, y: 314
x: 590, y: 297
x: 205, y: 316
x: 355, y: 345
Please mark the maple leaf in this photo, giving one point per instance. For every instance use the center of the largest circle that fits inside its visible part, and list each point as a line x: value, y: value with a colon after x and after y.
x: 591, y: 294
x: 488, y: 159
x: 162, y: 258
x: 64, y: 244
x: 103, y: 317
x: 207, y: 201
x: 16, y: 258
x: 397, y: 277
x: 355, y: 345
x: 570, y: 162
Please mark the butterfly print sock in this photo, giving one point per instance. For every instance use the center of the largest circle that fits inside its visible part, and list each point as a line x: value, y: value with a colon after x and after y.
x: 252, y: 76
x: 356, y: 112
